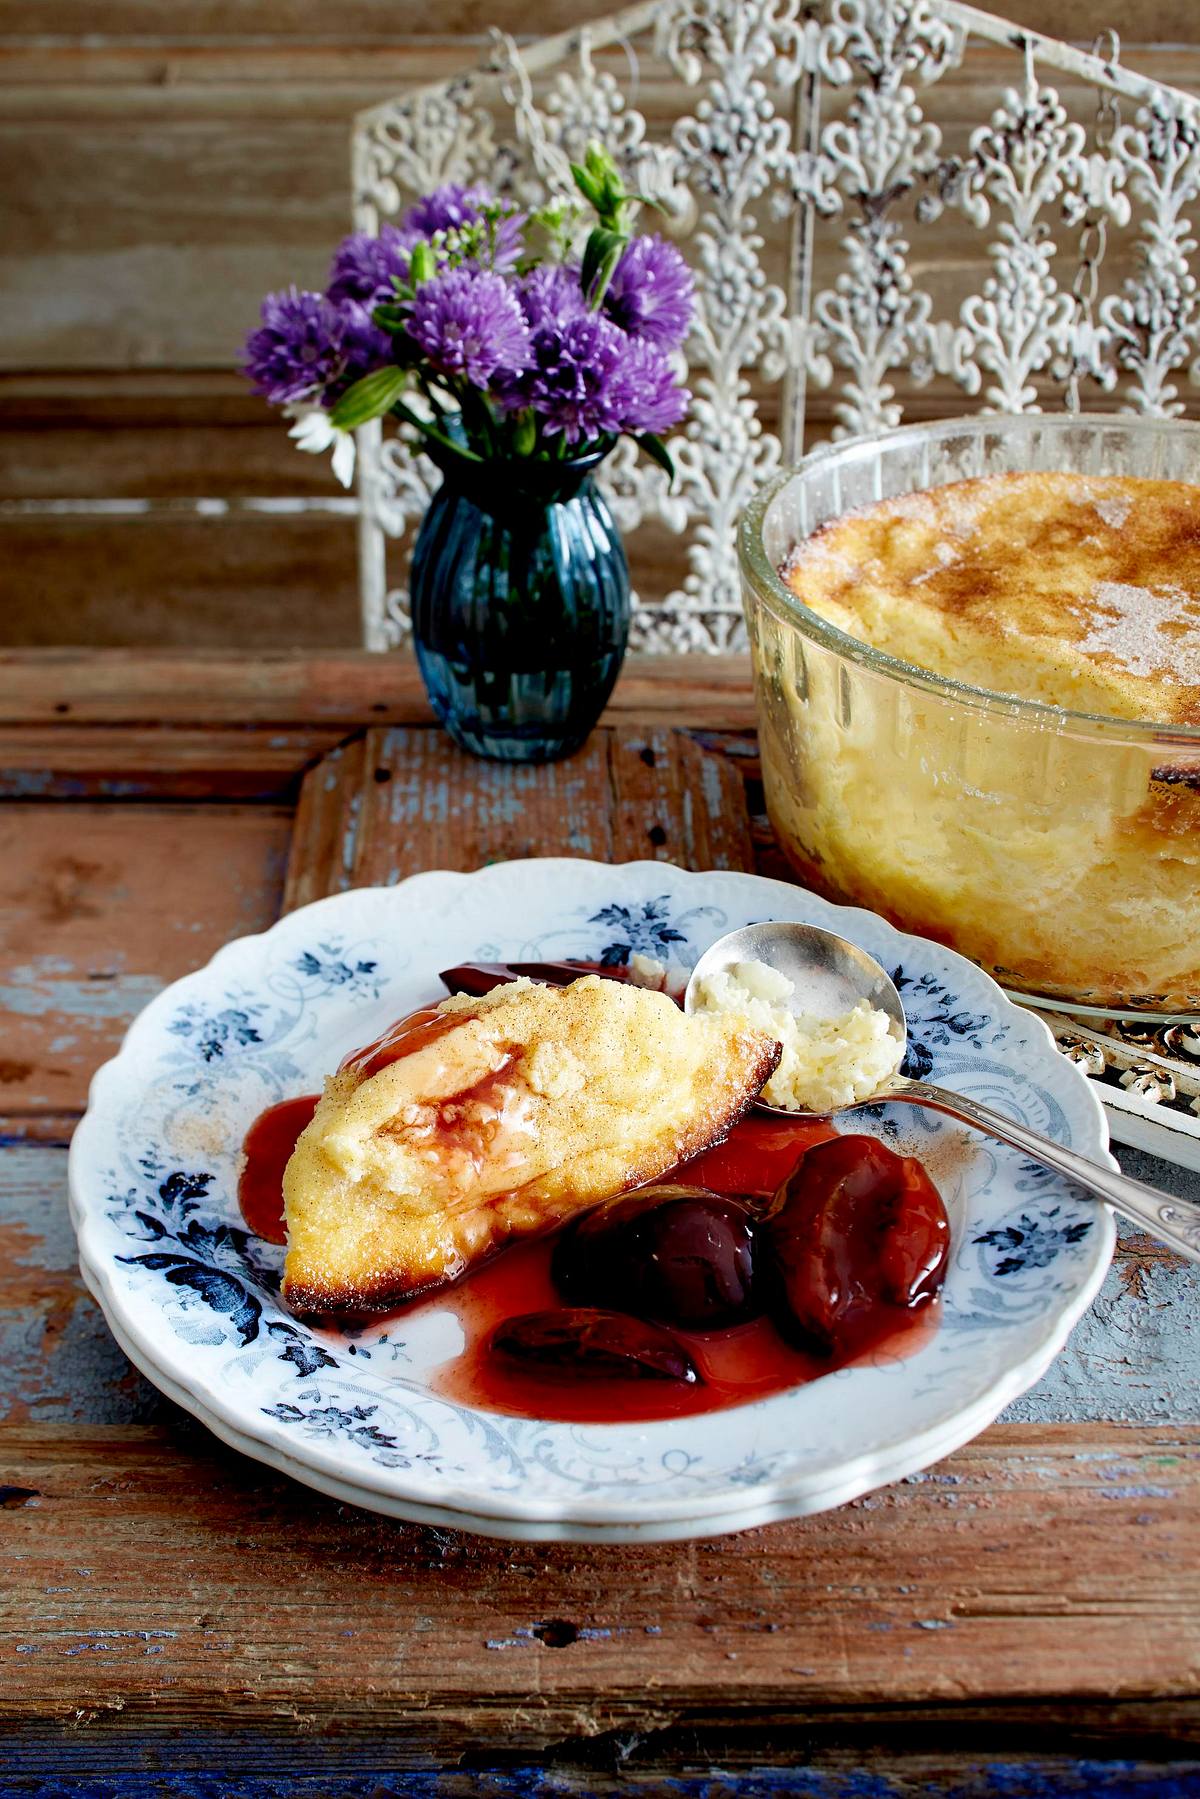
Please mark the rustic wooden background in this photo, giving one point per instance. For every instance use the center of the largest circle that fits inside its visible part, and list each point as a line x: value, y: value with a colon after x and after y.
x: 161, y: 167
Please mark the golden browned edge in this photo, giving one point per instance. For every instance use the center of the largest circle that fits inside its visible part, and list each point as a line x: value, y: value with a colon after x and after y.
x: 313, y: 1302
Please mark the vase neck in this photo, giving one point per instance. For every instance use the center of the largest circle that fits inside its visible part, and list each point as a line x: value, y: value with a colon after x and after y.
x: 524, y: 482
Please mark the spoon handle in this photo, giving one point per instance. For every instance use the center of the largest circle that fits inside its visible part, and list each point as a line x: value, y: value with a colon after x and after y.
x: 1173, y: 1221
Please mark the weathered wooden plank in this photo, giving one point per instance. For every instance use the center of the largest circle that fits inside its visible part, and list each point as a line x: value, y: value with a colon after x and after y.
x: 130, y: 1593
x: 321, y: 852
x: 199, y: 77
x: 59, y: 1358
x: 344, y: 72
x: 48, y: 1129
x: 213, y: 688
x: 349, y: 689
x: 388, y: 22
x: 124, y: 763
x: 99, y: 908
x: 674, y: 801
x: 124, y: 447
x: 254, y: 580
x: 210, y: 572
x: 406, y: 800
x: 109, y: 401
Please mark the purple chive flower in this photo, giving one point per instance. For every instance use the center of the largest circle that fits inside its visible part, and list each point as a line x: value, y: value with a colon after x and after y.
x: 551, y: 294
x: 447, y: 208
x: 309, y: 349
x: 361, y: 349
x: 363, y: 265
x: 467, y: 322
x: 649, y: 396
x: 574, y: 382
x: 651, y: 293
x: 296, y: 348
x: 451, y: 207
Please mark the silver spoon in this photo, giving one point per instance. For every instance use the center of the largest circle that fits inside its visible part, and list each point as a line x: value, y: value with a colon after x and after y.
x: 829, y: 976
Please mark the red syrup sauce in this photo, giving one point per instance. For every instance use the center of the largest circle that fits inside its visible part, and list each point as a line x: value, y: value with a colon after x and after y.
x: 737, y: 1365
x: 268, y: 1147
x: 409, y: 1034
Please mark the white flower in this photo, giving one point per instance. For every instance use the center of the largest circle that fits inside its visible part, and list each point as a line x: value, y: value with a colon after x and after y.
x: 314, y: 433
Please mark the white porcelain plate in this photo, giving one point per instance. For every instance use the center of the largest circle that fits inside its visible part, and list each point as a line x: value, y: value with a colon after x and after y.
x: 193, y: 1299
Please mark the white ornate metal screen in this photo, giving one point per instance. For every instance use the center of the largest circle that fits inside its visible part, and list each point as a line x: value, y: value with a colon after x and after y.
x: 888, y: 204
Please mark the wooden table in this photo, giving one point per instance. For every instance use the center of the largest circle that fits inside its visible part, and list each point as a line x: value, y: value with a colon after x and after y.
x: 1024, y: 1618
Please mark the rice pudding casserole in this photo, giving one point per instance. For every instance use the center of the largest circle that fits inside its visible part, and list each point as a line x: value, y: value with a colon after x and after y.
x: 1065, y: 871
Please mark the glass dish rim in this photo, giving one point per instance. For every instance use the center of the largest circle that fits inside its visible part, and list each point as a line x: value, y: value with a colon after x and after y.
x: 764, y: 579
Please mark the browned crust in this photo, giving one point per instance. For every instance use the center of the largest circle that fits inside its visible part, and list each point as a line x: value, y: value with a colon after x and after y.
x: 1178, y: 774
x: 312, y: 1300
x: 1028, y: 570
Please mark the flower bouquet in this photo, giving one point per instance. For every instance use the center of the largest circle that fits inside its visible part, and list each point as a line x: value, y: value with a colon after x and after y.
x: 518, y: 346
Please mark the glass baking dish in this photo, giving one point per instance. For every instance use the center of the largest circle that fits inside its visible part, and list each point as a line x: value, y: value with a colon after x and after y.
x: 1058, y: 849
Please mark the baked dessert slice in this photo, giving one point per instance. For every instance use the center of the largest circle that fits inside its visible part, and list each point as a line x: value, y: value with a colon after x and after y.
x: 483, y: 1120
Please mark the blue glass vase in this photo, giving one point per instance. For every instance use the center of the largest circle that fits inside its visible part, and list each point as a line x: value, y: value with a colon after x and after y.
x: 520, y: 605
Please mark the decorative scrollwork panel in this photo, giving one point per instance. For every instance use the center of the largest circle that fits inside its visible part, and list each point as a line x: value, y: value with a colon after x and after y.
x: 859, y: 238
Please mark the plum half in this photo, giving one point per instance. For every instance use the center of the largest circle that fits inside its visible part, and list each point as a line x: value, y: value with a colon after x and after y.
x: 586, y: 1343
x: 680, y: 1255
x: 855, y: 1227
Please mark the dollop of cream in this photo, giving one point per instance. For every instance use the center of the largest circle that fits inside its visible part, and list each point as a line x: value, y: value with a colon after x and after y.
x: 826, y: 1063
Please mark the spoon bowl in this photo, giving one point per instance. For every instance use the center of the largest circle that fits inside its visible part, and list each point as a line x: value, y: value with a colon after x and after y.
x: 829, y: 975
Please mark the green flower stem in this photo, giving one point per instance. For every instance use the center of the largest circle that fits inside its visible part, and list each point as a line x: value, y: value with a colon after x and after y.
x: 431, y: 395
x: 477, y: 417
x: 405, y: 412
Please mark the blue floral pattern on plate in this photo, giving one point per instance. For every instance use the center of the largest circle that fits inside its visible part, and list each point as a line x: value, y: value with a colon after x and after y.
x: 193, y: 1297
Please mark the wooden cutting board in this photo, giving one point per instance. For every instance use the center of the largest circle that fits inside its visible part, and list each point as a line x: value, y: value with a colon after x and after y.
x: 393, y: 802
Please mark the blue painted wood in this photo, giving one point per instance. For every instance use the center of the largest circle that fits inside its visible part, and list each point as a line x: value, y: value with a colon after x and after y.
x: 1135, y: 1356
x: 58, y: 1362
x: 989, y: 1780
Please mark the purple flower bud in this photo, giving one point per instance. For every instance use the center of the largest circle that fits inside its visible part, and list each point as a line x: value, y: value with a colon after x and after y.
x: 451, y: 207
x: 362, y: 348
x: 651, y: 294
x: 308, y: 348
x: 551, y: 294
x: 468, y: 323
x: 363, y: 265
x: 294, y: 352
x: 447, y: 208
x: 573, y: 383
x: 649, y: 396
